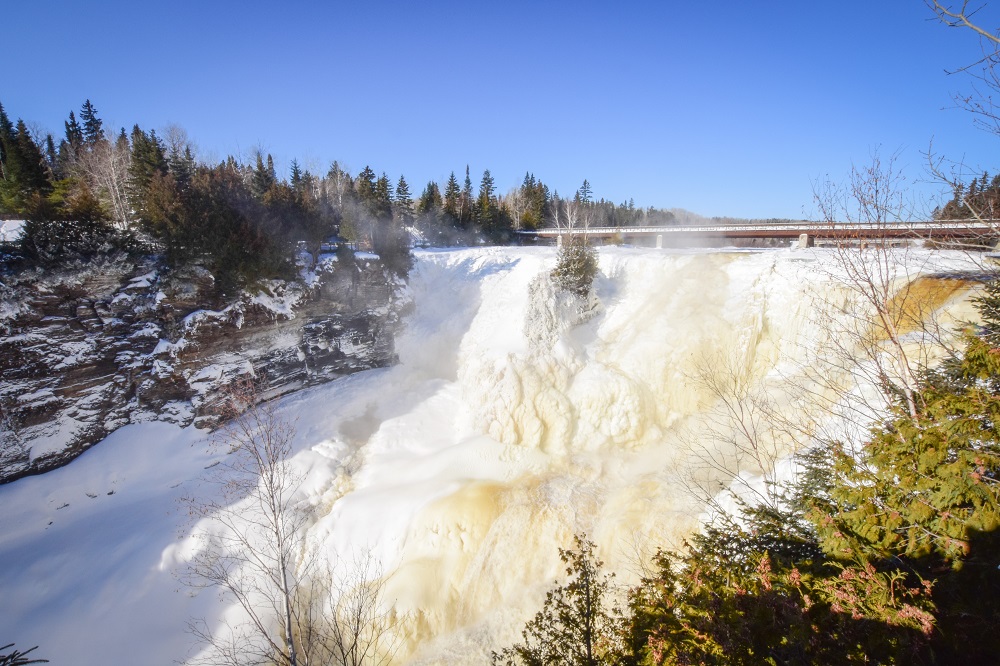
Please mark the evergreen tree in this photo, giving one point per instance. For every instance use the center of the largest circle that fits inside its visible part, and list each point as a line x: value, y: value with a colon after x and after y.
x: 465, y: 202
x: 147, y: 161
x: 181, y: 166
x: 51, y: 157
x: 576, y: 266
x: 536, y: 200
x: 383, y: 198
x: 18, y: 658
x: 6, y: 145
x: 263, y: 177
x: 74, y: 134
x: 487, y: 213
x: 271, y: 173
x: 25, y: 182
x: 93, y: 127
x: 430, y: 201
x: 578, y: 625
x: 403, y: 204
x: 365, y: 187
x: 452, y: 198
x: 296, y: 174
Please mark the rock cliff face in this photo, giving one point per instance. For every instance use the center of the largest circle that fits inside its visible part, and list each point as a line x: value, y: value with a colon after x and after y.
x: 120, y: 340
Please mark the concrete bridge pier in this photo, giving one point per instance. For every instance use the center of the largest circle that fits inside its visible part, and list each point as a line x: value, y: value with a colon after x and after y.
x: 659, y: 241
x: 805, y: 240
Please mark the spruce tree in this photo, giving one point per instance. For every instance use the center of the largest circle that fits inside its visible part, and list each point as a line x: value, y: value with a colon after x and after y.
x: 382, y: 198
x: 403, y: 204
x: 26, y: 180
x: 365, y: 186
x: 465, y: 201
x: 147, y: 161
x: 263, y: 177
x: 51, y: 156
x: 6, y: 144
x: 486, y: 211
x: 93, y: 127
x: 452, y: 197
x: 430, y: 201
x: 74, y: 133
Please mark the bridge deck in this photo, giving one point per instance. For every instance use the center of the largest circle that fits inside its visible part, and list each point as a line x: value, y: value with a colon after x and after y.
x: 936, y: 229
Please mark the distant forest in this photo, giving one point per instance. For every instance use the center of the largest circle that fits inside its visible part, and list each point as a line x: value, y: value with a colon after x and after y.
x: 93, y: 189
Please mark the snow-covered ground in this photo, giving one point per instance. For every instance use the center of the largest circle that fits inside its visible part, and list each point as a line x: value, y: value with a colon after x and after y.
x: 505, y: 429
x: 10, y: 230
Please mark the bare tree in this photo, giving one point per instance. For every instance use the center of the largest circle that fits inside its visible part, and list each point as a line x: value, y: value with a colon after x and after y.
x: 105, y: 168
x: 253, y: 544
x: 253, y: 548
x: 357, y: 628
x: 984, y: 70
x: 743, y: 432
x: 879, y: 273
x: 516, y: 204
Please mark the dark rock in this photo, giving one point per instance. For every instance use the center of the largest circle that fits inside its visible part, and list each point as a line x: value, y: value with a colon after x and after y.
x: 90, y: 349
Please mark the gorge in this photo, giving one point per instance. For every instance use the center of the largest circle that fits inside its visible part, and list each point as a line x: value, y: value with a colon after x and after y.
x: 516, y: 417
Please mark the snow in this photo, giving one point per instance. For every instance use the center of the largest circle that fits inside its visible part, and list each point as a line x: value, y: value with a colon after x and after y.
x: 10, y: 230
x: 81, y: 552
x: 511, y: 422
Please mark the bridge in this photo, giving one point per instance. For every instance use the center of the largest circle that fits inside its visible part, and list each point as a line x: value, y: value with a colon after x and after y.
x: 805, y: 232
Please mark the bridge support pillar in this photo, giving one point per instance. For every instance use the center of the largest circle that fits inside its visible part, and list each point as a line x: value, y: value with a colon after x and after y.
x: 559, y: 242
x: 659, y: 241
x: 805, y: 240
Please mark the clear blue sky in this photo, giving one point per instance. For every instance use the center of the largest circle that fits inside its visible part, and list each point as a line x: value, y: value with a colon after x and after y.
x: 724, y: 108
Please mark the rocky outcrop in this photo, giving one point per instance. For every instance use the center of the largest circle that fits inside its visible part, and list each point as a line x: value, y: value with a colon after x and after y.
x: 88, y: 349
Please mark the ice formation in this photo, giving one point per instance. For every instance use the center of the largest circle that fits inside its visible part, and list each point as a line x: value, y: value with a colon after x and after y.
x: 515, y: 418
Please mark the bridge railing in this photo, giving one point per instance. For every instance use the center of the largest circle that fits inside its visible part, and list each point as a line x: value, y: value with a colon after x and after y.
x: 916, y: 228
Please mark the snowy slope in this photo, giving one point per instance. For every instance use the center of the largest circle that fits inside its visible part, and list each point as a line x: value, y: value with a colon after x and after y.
x: 509, y: 424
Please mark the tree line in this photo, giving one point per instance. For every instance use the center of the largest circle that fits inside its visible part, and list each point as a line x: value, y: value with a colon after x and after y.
x: 93, y: 189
